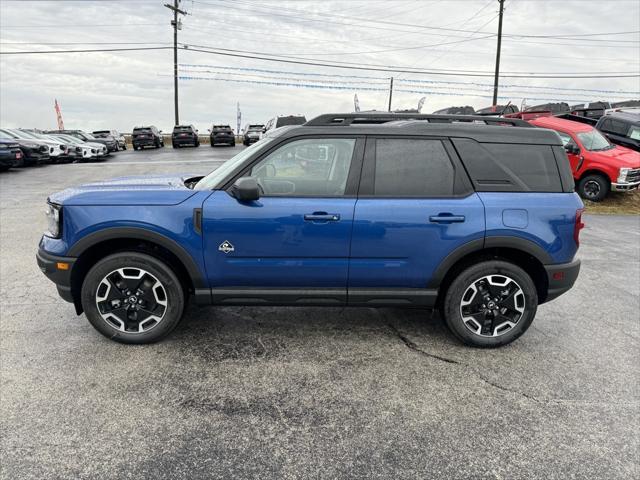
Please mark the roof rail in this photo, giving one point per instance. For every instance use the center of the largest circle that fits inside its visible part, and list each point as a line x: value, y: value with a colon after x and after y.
x: 359, y: 118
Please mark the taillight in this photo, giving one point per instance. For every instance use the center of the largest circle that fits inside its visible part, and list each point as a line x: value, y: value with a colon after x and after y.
x: 578, y: 226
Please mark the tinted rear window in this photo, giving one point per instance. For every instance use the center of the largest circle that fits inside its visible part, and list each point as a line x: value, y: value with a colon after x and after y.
x: 412, y: 167
x: 503, y: 167
x: 181, y: 129
x: 283, y: 121
x: 141, y: 130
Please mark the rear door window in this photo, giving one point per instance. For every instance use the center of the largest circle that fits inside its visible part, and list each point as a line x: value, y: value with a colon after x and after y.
x: 412, y: 168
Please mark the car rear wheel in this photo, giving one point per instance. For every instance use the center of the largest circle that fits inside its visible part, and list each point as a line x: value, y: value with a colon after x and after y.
x: 490, y: 304
x: 594, y: 187
x: 132, y: 297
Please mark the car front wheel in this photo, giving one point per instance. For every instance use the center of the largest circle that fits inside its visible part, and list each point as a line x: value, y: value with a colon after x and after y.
x: 132, y: 297
x: 490, y: 304
x: 594, y: 187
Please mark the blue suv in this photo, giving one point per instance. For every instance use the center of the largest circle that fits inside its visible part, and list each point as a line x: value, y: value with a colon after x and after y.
x: 475, y: 216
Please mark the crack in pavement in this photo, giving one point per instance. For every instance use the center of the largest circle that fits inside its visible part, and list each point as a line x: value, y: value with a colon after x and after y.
x: 415, y: 347
x: 412, y: 346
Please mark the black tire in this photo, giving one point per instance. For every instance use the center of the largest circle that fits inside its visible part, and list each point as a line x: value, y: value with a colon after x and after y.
x: 174, y: 145
x: 211, y: 144
x: 524, y: 296
x: 594, y: 187
x: 124, y: 147
x: 135, y: 148
x: 197, y: 144
x: 155, y: 270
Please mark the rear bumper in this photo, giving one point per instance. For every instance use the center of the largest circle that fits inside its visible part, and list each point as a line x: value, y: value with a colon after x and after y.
x: 223, y: 139
x: 49, y: 264
x: 184, y: 141
x: 561, y: 278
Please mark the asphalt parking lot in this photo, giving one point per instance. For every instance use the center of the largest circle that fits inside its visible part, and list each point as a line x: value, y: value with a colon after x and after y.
x: 312, y: 392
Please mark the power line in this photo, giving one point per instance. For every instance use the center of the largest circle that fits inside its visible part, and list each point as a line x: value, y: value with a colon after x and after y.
x: 343, y: 65
x: 408, y: 80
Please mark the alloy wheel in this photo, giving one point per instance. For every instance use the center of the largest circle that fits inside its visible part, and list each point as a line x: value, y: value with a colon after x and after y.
x: 131, y: 300
x: 492, y: 305
x: 591, y: 189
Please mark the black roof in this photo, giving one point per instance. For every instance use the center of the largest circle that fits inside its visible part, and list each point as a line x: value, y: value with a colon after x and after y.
x: 481, y: 129
x: 632, y: 118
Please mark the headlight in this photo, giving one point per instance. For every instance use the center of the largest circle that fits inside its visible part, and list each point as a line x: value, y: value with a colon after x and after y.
x: 54, y: 218
x: 622, y: 176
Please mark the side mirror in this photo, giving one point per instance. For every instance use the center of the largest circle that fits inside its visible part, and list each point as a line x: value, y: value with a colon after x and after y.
x: 245, y: 189
x: 264, y: 129
x: 572, y: 148
x: 159, y: 131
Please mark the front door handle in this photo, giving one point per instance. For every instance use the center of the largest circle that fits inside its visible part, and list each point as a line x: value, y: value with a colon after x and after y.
x: 446, y: 218
x: 322, y: 217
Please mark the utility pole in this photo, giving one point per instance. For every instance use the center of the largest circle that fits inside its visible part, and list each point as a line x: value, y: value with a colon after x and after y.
x: 390, y: 92
x: 176, y: 26
x: 495, y: 81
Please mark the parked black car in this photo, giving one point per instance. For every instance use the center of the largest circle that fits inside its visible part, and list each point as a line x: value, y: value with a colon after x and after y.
x: 184, y: 135
x: 109, y: 142
x: 590, y: 110
x: 121, y: 143
x: 146, y: 137
x: 222, y: 134
x: 621, y: 128
x: 251, y: 133
x: 498, y: 110
x: 467, y: 110
x: 33, y: 152
x: 626, y: 104
x: 10, y: 155
x: 549, y: 107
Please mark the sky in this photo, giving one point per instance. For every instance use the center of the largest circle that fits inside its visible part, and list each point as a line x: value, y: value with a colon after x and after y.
x: 451, y: 42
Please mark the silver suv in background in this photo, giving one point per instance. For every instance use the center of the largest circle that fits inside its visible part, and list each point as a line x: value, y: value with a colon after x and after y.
x: 121, y: 143
x: 282, y: 121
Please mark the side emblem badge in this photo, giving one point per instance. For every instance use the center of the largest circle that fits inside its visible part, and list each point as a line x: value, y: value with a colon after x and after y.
x: 226, y: 247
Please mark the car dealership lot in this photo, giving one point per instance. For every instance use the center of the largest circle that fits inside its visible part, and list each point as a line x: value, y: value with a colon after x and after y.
x: 312, y: 392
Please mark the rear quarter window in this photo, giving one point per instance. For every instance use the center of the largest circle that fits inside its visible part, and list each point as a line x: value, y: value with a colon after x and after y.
x: 506, y: 167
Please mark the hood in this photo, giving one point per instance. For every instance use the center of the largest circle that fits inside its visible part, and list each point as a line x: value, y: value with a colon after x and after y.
x: 619, y: 156
x: 139, y: 190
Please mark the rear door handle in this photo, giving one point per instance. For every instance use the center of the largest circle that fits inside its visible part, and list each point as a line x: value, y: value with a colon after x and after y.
x: 322, y: 217
x: 446, y: 218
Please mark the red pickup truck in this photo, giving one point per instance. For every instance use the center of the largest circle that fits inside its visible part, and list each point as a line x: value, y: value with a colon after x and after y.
x: 598, y: 166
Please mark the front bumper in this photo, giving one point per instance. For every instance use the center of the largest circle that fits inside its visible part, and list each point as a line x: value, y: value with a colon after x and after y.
x: 53, y: 266
x: 561, y: 278
x: 624, y: 187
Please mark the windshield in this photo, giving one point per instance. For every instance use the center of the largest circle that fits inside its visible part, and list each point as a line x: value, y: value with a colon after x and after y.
x: 101, y: 134
x: 181, y: 129
x: 69, y: 138
x: 141, y: 130
x: 594, y: 141
x: 16, y: 134
x: 212, y: 180
x: 254, y: 128
x: 221, y: 127
x: 7, y: 136
x: 87, y: 135
x: 30, y: 135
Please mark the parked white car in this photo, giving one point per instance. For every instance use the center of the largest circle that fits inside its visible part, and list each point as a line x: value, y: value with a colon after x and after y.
x: 90, y: 151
